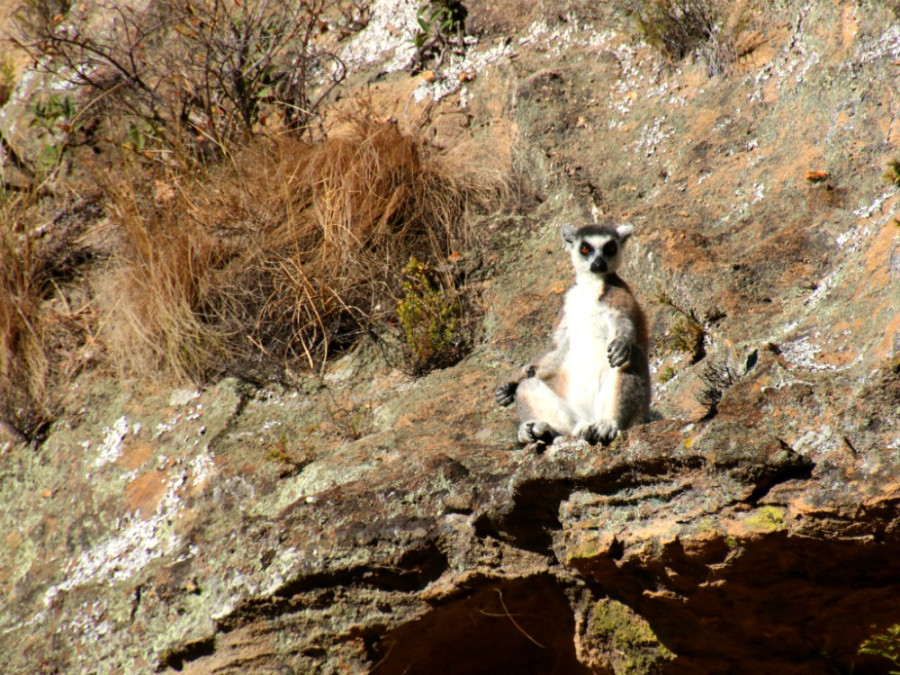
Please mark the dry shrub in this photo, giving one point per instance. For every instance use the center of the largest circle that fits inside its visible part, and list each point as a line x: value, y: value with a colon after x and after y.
x: 291, y: 251
x: 677, y: 27
x: 680, y: 28
x: 189, y: 74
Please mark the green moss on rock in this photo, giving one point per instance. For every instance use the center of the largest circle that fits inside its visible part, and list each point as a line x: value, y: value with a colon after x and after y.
x: 766, y: 519
x: 622, y: 641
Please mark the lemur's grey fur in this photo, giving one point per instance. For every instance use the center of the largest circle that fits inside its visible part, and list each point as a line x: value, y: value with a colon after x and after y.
x: 595, y: 382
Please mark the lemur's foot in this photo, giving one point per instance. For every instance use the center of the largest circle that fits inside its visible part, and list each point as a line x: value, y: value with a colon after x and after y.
x: 601, y: 431
x: 505, y: 394
x: 536, y: 432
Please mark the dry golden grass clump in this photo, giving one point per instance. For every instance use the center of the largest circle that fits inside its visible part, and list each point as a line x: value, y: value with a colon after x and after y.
x: 23, y: 360
x: 286, y: 253
x: 44, y: 326
x: 161, y: 284
x: 280, y: 257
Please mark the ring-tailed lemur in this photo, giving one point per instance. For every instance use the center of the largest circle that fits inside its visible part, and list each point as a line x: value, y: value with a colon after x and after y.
x: 596, y: 380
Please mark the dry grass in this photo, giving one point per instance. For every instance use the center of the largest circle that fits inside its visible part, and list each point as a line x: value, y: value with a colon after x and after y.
x: 708, y: 29
x: 224, y: 252
x: 43, y: 337
x: 286, y: 254
x: 281, y: 257
x: 162, y: 284
x: 23, y: 359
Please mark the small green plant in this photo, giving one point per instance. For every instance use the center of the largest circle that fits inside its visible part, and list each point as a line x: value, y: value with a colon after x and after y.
x: 7, y: 79
x: 892, y: 175
x: 667, y: 374
x: 686, y: 334
x: 430, y: 318
x: 140, y: 134
x: 53, y: 114
x: 442, y: 26
x: 56, y: 119
x: 885, y: 645
x: 290, y: 464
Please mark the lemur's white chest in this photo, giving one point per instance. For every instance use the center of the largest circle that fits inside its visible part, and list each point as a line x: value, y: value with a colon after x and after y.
x: 589, y: 330
x: 589, y: 321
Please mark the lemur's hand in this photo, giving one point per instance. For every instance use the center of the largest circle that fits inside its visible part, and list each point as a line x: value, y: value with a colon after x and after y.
x: 505, y: 394
x: 619, y: 352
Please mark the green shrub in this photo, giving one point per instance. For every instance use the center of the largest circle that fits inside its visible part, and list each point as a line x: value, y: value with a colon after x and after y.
x: 442, y: 26
x: 430, y: 318
x: 686, y: 334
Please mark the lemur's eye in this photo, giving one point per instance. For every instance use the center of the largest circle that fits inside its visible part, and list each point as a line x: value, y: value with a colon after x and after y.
x: 610, y: 249
x: 585, y: 248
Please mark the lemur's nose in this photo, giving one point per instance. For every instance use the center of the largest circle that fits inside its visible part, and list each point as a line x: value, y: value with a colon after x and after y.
x: 599, y: 265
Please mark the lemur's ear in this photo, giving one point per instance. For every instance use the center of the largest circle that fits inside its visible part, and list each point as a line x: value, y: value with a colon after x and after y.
x: 624, y: 231
x: 569, y: 234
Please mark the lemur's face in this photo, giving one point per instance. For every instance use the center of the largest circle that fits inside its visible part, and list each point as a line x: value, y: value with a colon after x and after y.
x: 596, y: 250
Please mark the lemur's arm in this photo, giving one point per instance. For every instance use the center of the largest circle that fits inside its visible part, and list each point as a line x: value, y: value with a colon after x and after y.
x: 548, y: 364
x: 619, y: 350
x: 544, y: 367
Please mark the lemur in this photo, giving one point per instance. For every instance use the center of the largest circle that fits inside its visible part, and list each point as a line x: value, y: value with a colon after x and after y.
x: 595, y: 382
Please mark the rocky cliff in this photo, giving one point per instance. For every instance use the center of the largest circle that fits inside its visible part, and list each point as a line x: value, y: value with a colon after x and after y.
x: 368, y: 521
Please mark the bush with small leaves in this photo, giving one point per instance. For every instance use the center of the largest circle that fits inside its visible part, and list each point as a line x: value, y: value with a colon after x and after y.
x: 442, y: 26
x: 429, y: 314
